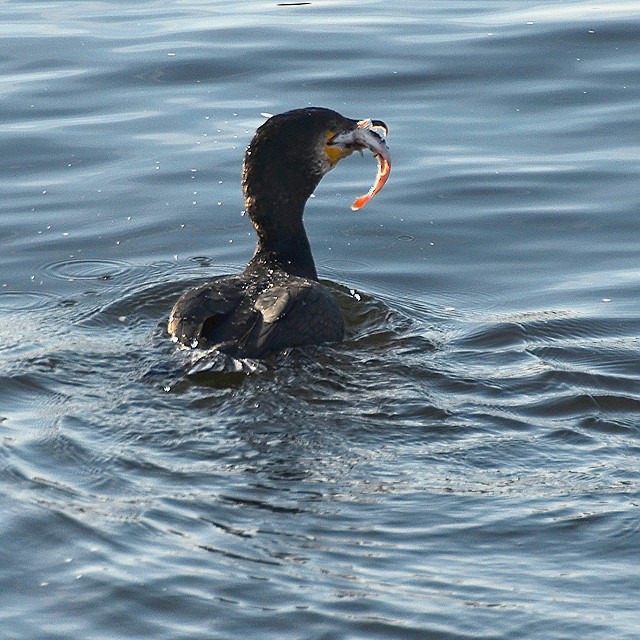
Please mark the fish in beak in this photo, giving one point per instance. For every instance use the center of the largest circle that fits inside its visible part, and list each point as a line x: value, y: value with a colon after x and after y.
x: 367, y: 136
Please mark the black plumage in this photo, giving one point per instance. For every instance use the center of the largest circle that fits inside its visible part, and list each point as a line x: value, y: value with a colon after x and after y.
x: 277, y: 302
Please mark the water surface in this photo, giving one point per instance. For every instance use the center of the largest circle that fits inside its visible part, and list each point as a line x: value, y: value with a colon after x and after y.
x: 464, y: 466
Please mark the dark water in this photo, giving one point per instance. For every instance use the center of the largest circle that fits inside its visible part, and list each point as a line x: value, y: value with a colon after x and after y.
x: 466, y: 465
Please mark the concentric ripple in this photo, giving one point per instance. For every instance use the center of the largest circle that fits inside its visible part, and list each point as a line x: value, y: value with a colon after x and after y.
x: 26, y: 300
x: 87, y: 269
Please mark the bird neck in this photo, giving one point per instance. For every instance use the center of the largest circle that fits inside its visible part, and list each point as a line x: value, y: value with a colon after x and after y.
x: 282, y: 240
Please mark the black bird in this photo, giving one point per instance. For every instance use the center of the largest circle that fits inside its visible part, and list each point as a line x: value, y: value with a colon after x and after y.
x: 277, y: 302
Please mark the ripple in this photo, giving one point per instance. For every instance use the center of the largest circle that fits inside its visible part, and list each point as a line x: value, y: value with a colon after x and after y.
x: 87, y: 269
x: 26, y: 300
x: 482, y: 412
x: 339, y: 265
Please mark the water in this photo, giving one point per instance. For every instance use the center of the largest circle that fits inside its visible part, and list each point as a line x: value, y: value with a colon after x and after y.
x: 464, y: 466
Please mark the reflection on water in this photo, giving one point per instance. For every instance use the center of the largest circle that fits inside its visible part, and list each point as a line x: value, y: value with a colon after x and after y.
x: 463, y: 465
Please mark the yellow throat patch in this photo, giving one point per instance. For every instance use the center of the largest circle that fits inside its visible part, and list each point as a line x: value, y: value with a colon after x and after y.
x: 334, y: 153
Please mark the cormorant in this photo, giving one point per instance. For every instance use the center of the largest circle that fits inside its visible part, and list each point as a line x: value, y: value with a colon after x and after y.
x: 277, y: 302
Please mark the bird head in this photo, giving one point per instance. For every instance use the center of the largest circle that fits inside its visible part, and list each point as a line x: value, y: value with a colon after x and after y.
x: 292, y: 151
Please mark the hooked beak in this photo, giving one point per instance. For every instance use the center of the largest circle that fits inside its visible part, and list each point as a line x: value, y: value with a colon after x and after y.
x: 366, y: 136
